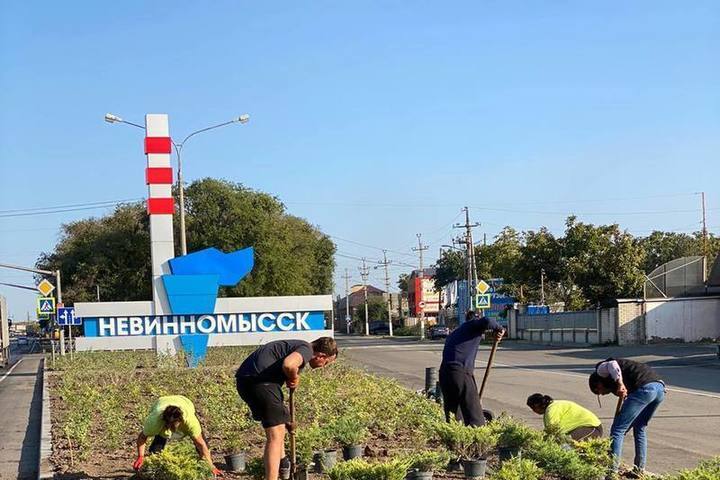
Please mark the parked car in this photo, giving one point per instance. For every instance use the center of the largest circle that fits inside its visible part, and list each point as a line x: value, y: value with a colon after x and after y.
x: 438, y: 331
x: 379, y: 328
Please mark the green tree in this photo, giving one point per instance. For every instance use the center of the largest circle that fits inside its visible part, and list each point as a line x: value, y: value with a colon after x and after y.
x: 403, y: 283
x: 292, y: 257
x: 377, y: 310
x: 449, y: 267
x: 661, y: 247
x: 112, y: 252
x: 603, y: 261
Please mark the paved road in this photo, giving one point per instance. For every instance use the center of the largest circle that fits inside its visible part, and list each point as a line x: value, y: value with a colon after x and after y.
x: 20, y: 403
x: 684, y: 430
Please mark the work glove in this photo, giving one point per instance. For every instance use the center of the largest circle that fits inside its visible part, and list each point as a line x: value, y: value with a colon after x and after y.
x: 137, y: 464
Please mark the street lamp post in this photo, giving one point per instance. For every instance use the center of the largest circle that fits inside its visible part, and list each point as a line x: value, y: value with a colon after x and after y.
x: 244, y: 118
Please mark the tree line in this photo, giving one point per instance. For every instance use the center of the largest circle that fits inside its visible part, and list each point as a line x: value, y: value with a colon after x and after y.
x: 292, y: 256
x: 588, y: 265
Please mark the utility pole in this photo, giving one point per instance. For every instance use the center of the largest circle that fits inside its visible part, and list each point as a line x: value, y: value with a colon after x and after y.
x: 49, y: 273
x: 542, y: 286
x: 440, y: 295
x: 385, y: 264
x: 347, y: 301
x: 470, y: 267
x: 419, y: 294
x: 704, y: 229
x: 364, y: 272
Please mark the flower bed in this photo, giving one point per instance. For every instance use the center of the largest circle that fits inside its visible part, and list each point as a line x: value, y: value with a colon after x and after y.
x: 100, y: 399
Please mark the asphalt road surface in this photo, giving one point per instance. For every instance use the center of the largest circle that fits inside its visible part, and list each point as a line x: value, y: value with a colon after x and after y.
x: 20, y: 412
x: 684, y: 430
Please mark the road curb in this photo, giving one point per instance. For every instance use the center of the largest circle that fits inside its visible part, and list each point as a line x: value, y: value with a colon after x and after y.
x: 44, y: 468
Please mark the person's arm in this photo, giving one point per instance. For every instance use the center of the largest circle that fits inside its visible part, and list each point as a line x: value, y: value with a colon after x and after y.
x: 291, y: 369
x: 204, y: 452
x: 140, y: 443
x: 492, y: 324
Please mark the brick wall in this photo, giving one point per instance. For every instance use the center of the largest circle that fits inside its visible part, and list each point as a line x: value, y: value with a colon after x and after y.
x: 631, y: 323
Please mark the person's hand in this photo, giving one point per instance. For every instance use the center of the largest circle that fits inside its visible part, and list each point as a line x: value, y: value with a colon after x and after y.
x: 292, y: 383
x: 290, y: 426
x: 622, y: 390
x: 499, y: 334
x: 138, y: 463
x: 217, y: 472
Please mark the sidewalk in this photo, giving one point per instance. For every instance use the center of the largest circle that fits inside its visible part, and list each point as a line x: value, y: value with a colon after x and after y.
x: 21, y: 405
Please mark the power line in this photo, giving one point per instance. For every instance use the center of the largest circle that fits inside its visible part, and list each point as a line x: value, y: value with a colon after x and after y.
x: 370, y: 246
x: 86, y: 204
x: 63, y: 210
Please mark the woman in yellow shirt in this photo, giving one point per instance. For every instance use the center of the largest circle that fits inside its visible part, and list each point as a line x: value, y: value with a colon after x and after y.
x: 572, y: 419
x: 172, y: 415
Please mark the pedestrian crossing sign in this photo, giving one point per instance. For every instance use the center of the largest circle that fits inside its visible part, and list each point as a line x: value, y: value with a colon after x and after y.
x: 482, y: 301
x: 46, y: 305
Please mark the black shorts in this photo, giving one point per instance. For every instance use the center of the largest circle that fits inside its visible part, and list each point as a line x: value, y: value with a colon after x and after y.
x: 265, y: 400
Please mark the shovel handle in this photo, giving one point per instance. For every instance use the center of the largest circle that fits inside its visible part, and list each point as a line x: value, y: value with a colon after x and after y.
x: 618, y: 407
x: 293, y: 450
x: 489, y: 366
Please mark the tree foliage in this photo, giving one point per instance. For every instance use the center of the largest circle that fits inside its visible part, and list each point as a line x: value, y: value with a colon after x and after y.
x: 292, y: 257
x: 589, y: 264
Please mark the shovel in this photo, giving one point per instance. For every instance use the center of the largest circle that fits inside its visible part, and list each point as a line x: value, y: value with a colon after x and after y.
x: 293, y: 449
x: 487, y: 413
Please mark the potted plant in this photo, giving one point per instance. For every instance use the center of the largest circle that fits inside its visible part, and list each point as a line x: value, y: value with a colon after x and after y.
x: 235, y: 456
x: 471, y: 445
x: 423, y: 464
x: 513, y: 436
x: 351, y: 432
x: 359, y: 469
x: 474, y: 448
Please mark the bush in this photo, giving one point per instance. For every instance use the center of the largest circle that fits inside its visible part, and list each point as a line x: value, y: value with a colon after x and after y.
x: 350, y: 430
x: 255, y: 468
x: 563, y: 461
x: 514, y: 434
x: 428, y: 461
x: 468, y: 443
x: 413, y: 331
x: 178, y: 461
x: 706, y: 470
x: 518, y: 469
x: 358, y: 469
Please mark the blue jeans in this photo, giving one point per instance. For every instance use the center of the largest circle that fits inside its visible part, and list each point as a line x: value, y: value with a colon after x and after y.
x: 636, y: 412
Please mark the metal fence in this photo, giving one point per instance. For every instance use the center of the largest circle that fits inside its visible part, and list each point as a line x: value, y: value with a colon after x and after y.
x: 568, y: 320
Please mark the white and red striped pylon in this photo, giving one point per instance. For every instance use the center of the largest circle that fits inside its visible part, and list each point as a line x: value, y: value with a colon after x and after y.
x: 160, y: 204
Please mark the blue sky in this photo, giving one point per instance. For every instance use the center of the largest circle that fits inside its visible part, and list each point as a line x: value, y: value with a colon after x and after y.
x: 373, y: 120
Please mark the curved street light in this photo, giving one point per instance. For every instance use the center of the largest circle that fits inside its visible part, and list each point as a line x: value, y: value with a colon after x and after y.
x: 244, y: 118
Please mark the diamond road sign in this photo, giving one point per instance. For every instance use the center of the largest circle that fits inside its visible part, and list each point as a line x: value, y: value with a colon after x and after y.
x: 482, y: 301
x: 66, y: 316
x: 482, y: 287
x: 46, y: 305
x: 45, y: 288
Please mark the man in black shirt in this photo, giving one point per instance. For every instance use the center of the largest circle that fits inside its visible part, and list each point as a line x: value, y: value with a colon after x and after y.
x: 642, y: 390
x: 259, y: 382
x: 457, y: 382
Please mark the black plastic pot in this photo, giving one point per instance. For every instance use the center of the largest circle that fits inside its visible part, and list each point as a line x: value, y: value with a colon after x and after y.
x: 475, y: 468
x: 418, y: 475
x: 506, y: 453
x: 235, y: 462
x: 301, y: 472
x: 324, y: 460
x: 454, y: 466
x: 352, y: 451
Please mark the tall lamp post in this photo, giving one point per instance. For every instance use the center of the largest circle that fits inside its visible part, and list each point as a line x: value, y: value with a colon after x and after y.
x: 244, y: 118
